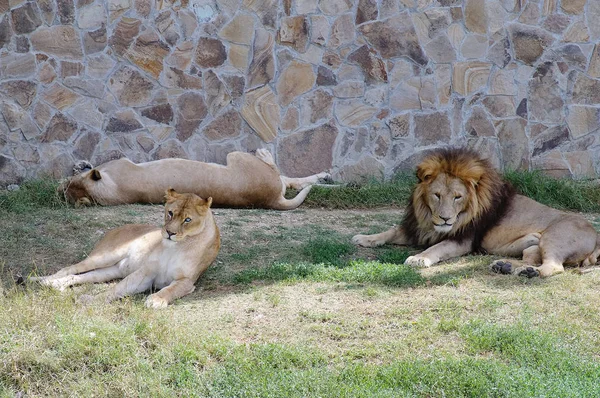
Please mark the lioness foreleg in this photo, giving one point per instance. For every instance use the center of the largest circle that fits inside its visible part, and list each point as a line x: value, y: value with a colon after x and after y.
x: 395, y: 235
x: 136, y: 282
x: 168, y: 294
x: 444, y: 250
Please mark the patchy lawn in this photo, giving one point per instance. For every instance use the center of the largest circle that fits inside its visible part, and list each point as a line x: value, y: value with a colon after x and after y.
x: 290, y: 308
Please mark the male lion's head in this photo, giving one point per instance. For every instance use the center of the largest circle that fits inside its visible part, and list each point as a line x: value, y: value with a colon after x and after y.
x: 457, y: 190
x: 185, y: 215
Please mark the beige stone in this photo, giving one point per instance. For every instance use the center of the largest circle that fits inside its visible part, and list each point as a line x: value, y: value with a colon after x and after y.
x: 577, y: 33
x: 474, y: 46
x: 406, y: 95
x: 130, y: 87
x: 312, y: 55
x: 353, y: 112
x: 239, y: 56
x: 60, y: 97
x: 594, y: 67
x: 502, y: 82
x: 265, y: 9
x: 307, y: 152
x: 116, y: 8
x: 476, y: 16
x: 529, y: 43
x: 262, y: 66
x: 583, y: 120
x: 91, y: 17
x: 296, y: 79
x: 181, y: 57
x: 319, y: 29
x: 581, y: 164
x: 349, y: 89
x: 291, y: 120
x: 443, y: 77
x: 573, y: 6
x: 531, y: 14
x: 315, y: 107
x: 456, y: 34
x: 239, y: 30
x: 306, y: 6
x: 342, y: 31
x: 293, y: 32
x: 514, y: 145
x: 334, y: 7
x: 549, y: 7
x: 62, y: 41
x: 217, y: 96
x: 16, y: 65
x: 148, y: 53
x: 469, y: 77
x: 261, y: 112
x: 364, y: 170
x: 440, y: 50
x: 432, y: 128
x: 47, y: 74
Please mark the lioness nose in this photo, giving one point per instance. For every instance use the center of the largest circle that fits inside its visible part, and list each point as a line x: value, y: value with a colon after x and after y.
x: 170, y: 233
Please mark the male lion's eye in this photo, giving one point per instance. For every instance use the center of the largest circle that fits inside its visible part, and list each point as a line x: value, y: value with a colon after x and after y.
x: 187, y: 220
x: 457, y: 197
x: 170, y: 214
x: 437, y: 195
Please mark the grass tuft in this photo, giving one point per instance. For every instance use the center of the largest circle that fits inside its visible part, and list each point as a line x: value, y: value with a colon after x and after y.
x: 32, y: 194
x: 329, y: 251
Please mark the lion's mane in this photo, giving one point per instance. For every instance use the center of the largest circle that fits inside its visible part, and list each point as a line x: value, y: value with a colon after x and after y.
x: 489, y: 197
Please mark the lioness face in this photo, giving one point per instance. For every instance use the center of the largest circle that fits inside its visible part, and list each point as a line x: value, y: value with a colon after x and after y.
x: 447, y: 199
x: 76, y: 189
x: 185, y: 215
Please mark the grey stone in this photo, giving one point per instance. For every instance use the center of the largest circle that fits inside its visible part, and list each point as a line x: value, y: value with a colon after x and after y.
x: 325, y: 77
x: 307, y: 152
x: 192, y: 110
x: 170, y: 149
x: 550, y: 139
x: 546, y: 103
x: 123, y: 122
x: 371, y: 65
x: 529, y: 43
x: 162, y: 113
x: 61, y: 41
x: 513, y: 143
x: 479, y: 125
x: 432, y: 128
x: 225, y: 126
x: 210, y: 53
x: 130, y: 87
x: 60, y: 128
x: 26, y: 18
x: 22, y: 91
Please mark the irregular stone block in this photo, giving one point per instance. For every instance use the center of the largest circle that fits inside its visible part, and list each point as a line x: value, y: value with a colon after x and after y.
x: 261, y: 112
x: 316, y: 106
x: 573, y: 6
x: 60, y: 128
x: 440, y: 50
x: 162, y: 113
x: 265, y: 9
x: 86, y: 112
x: 210, y: 53
x: 469, y: 77
x: 5, y: 32
x: 372, y: 66
x: 479, y: 125
x: 61, y: 41
x: 16, y: 65
x: 95, y: 41
x: 432, y: 128
x: 545, y: 102
x: 583, y: 120
x: 585, y: 90
x: 148, y: 53
x: 550, y: 139
x: 60, y: 97
x: 22, y: 91
x: 319, y: 32
x: 192, y: 110
x: 226, y: 126
x: 173, y: 77
x: 400, y: 126
x: 349, y: 89
x: 395, y: 37
x: 307, y: 152
x: 66, y: 11
x: 364, y: 170
x: 294, y: 81
x: 262, y: 66
x: 325, y: 77
x: 474, y: 46
x: 170, y: 149
x: 26, y: 18
x: 577, y: 33
x: 353, y: 112
x: 366, y: 11
x: 476, y: 16
x: 514, y: 144
x: 130, y: 87
x: 217, y: 96
x: 529, y: 43
x: 239, y: 30
x: 334, y: 7
x: 552, y: 164
x: 342, y: 31
x: 581, y: 164
x: 293, y: 32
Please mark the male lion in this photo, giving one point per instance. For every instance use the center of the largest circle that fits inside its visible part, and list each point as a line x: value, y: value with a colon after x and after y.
x: 246, y: 181
x: 461, y: 205
x: 170, y: 259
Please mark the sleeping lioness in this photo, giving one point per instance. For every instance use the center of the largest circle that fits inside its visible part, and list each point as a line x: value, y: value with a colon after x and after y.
x: 246, y: 181
x: 170, y: 259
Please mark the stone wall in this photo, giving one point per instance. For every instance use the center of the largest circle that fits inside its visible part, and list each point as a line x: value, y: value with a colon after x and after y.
x: 355, y: 86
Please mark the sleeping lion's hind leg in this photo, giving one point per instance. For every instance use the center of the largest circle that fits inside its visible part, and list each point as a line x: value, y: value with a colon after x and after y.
x: 395, y: 235
x: 266, y: 156
x: 303, y: 182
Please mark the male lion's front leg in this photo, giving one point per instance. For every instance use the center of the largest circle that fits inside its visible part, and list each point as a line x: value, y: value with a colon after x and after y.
x: 395, y: 235
x: 439, y: 252
x: 168, y: 294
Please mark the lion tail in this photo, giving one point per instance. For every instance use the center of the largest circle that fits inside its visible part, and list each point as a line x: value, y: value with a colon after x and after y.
x: 593, y: 258
x: 290, y: 204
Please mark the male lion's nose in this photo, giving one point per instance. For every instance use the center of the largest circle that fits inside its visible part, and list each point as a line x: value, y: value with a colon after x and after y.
x: 445, y: 218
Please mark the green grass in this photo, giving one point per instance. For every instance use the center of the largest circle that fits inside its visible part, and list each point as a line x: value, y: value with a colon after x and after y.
x: 33, y: 194
x: 50, y: 347
x: 559, y: 193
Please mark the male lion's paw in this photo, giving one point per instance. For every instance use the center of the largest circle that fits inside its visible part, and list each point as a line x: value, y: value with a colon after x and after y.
x: 529, y: 272
x: 416, y: 261
x: 364, y: 241
x: 501, y: 267
x: 154, y: 301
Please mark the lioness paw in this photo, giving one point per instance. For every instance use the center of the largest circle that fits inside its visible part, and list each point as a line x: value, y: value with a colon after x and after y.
x: 416, y: 261
x: 154, y: 301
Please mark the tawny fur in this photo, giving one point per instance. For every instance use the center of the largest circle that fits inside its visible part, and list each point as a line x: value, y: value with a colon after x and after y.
x: 246, y: 181
x: 170, y: 258
x: 461, y: 204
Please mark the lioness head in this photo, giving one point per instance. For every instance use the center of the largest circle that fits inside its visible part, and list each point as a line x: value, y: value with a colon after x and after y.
x: 185, y: 215
x: 455, y: 188
x: 76, y: 189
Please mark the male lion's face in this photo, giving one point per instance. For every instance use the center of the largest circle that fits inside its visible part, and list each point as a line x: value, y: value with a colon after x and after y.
x: 185, y: 215
x: 447, y: 198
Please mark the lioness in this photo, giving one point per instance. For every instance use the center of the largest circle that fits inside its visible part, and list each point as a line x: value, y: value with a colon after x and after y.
x: 246, y: 181
x: 170, y: 259
x: 461, y: 204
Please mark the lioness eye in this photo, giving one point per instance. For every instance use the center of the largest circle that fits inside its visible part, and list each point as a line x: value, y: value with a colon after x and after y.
x: 187, y: 220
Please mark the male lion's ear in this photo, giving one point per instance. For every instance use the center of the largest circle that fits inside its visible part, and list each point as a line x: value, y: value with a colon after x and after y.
x: 95, y: 174
x: 423, y: 174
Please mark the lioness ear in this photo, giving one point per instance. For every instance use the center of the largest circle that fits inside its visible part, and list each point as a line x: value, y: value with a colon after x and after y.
x: 170, y: 194
x: 95, y: 174
x: 209, y: 201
